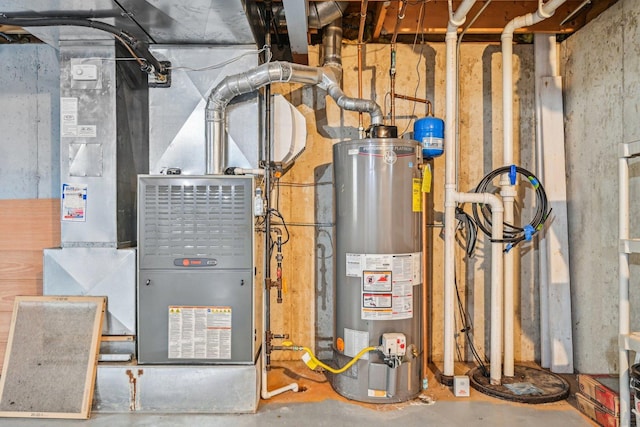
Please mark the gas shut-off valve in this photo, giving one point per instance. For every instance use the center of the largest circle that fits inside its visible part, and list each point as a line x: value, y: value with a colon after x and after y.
x: 394, y: 347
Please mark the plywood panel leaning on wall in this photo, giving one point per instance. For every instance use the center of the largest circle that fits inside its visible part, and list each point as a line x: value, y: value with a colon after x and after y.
x: 27, y: 226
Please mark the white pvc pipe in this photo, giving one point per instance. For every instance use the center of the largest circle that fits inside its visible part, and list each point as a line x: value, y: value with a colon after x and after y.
x: 264, y: 390
x: 508, y: 191
x: 623, y: 281
x: 497, y: 212
x: 265, y: 393
x: 455, y: 20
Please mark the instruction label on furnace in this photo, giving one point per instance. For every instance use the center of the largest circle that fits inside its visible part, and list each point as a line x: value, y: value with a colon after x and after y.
x: 199, y: 332
x: 387, y: 282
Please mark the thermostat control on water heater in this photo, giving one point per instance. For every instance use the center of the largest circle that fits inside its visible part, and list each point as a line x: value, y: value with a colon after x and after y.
x: 394, y: 344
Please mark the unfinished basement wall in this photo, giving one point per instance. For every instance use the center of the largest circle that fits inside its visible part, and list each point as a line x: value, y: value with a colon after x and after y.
x: 29, y: 170
x: 601, y: 68
x: 420, y: 73
x: 29, y: 123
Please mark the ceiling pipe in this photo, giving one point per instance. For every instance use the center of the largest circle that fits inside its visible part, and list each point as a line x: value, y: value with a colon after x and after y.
x: 452, y: 199
x: 363, y: 19
x: 401, y: 13
x: 332, y: 47
x: 326, y: 77
x: 508, y: 191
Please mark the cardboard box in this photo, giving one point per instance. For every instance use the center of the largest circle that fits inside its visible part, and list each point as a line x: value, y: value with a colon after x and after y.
x: 597, y: 413
x: 603, y: 389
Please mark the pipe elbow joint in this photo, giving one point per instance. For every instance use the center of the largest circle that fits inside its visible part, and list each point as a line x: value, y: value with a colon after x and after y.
x: 494, y: 201
x: 542, y: 13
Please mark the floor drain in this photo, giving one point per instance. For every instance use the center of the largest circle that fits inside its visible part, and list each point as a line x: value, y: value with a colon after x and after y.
x: 528, y: 385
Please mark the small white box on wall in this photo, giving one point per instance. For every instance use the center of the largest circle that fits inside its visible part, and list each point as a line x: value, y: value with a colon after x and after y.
x: 461, y: 386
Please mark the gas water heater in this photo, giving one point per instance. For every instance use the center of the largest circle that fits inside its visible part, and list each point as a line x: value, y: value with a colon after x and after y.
x: 378, y: 292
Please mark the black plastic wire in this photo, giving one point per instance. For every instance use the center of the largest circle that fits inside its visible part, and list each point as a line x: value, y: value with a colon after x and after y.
x: 467, y: 329
x: 152, y: 64
x: 466, y: 223
x: 512, y: 234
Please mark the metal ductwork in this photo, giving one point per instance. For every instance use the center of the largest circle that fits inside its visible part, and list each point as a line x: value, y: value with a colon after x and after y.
x: 326, y: 78
x: 298, y: 18
x: 322, y: 13
x: 332, y: 45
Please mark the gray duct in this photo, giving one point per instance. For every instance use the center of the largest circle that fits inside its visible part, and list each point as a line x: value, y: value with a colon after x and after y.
x: 321, y: 13
x: 326, y: 77
x: 332, y: 46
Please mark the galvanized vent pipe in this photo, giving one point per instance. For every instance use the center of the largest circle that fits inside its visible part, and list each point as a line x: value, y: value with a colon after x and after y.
x: 322, y: 13
x: 326, y: 77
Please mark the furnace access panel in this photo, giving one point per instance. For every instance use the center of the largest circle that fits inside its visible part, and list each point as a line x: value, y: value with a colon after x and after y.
x: 196, y: 301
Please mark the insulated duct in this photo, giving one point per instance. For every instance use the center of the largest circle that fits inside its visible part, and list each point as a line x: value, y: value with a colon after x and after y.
x: 326, y: 77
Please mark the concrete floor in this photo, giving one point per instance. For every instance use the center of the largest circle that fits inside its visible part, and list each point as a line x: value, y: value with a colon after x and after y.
x: 319, y: 405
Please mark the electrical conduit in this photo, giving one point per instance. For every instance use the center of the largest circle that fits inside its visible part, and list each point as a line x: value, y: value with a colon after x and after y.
x: 508, y: 191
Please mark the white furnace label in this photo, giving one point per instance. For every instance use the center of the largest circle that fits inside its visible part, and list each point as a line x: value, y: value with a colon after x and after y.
x: 387, y: 282
x: 68, y: 117
x: 199, y: 332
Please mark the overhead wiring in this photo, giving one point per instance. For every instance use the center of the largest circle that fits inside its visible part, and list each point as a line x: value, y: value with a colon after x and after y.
x: 227, y: 62
x: 148, y: 62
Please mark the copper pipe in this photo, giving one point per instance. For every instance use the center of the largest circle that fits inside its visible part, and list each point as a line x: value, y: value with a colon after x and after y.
x: 414, y: 99
x: 392, y: 71
x: 425, y: 291
x: 363, y: 18
x: 401, y: 11
x: 392, y: 75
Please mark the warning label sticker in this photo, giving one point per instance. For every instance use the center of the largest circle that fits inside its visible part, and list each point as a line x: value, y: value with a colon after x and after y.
x: 376, y: 281
x: 199, y: 332
x: 405, y: 267
x: 387, y: 282
x: 74, y: 202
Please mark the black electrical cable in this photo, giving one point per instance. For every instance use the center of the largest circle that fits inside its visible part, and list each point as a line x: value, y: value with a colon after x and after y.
x: 467, y: 329
x: 151, y: 66
x: 465, y: 222
x: 512, y: 234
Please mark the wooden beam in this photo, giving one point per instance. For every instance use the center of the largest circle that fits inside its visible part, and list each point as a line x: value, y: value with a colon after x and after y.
x: 378, y: 21
x: 492, y: 20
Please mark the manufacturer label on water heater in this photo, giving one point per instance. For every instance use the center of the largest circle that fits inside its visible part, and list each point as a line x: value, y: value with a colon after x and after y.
x: 387, y: 282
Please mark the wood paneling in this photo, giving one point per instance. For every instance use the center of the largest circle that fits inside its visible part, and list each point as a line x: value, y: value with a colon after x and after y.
x: 26, y: 228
